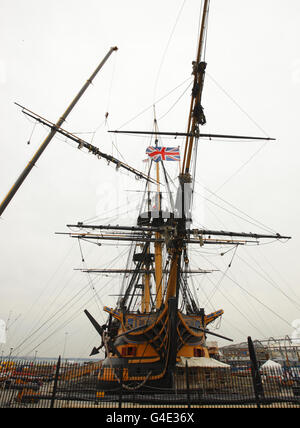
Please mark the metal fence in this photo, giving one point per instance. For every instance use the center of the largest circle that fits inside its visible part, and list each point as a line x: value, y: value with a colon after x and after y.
x: 37, y: 385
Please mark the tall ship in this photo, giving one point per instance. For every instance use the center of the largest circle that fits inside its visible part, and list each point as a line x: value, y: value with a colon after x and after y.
x: 157, y: 321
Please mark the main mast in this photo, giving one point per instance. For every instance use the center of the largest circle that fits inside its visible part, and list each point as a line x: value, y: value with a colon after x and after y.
x: 196, y: 118
x: 196, y: 114
x: 158, y: 236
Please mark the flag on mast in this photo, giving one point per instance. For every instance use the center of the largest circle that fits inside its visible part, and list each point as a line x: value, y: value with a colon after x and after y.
x: 159, y: 154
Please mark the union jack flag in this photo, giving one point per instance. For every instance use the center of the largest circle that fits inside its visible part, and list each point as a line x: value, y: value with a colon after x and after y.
x: 163, y: 153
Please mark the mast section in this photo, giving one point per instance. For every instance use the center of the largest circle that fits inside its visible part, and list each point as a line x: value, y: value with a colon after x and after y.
x: 158, y: 243
x: 196, y: 115
x: 196, y: 118
x: 51, y: 134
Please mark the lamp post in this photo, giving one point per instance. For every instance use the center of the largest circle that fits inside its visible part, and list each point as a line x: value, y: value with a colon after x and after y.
x: 65, y: 343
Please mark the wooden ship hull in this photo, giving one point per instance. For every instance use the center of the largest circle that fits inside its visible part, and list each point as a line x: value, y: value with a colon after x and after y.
x: 147, y: 346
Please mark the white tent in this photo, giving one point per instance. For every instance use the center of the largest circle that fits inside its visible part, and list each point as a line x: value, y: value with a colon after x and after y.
x: 271, y: 365
x: 201, y: 362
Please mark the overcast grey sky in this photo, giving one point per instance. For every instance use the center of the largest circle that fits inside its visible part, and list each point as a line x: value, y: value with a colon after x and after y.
x: 48, y: 50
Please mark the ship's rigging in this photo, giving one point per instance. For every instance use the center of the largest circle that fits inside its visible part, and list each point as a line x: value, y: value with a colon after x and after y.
x: 157, y: 319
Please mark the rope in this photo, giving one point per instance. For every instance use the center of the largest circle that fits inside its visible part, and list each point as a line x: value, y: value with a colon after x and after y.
x: 176, y: 102
x: 166, y: 48
x: 254, y: 297
x: 156, y: 102
x: 29, y: 140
